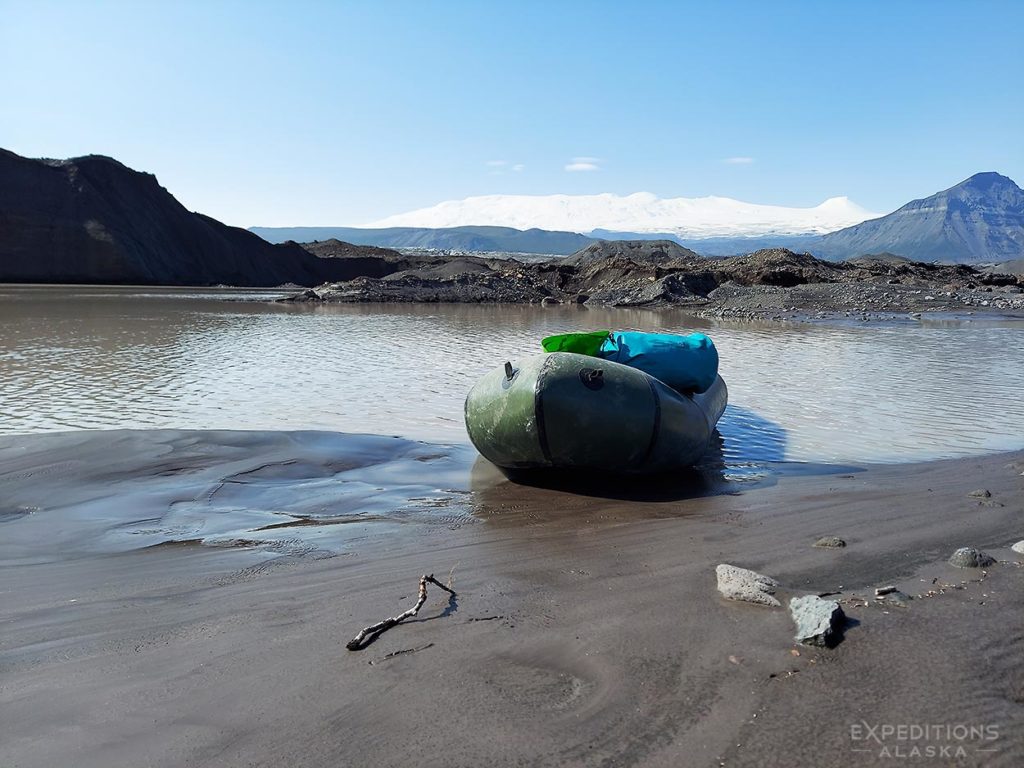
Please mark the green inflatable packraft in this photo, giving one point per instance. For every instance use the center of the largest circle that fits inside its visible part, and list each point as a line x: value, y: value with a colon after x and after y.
x: 569, y: 411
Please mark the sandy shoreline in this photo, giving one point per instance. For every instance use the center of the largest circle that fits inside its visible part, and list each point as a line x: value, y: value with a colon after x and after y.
x: 587, y: 630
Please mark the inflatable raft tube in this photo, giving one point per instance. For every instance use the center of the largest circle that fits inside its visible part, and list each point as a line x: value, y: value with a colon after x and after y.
x: 569, y: 411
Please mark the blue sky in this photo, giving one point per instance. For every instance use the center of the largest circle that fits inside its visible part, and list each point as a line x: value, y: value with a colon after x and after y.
x: 308, y: 113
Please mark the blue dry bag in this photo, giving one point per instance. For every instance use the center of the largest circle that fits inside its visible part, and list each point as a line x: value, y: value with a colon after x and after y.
x: 685, y: 363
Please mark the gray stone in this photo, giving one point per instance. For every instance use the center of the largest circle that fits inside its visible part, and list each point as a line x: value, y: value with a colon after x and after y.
x: 968, y: 557
x: 818, y: 621
x: 1018, y: 547
x: 981, y: 493
x: 832, y: 542
x: 747, y: 586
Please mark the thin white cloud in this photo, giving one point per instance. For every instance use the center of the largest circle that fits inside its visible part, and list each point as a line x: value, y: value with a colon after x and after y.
x: 738, y: 160
x: 583, y: 164
x: 496, y: 163
x: 518, y: 167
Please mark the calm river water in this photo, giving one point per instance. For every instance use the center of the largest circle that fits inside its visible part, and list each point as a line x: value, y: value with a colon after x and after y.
x: 101, y: 358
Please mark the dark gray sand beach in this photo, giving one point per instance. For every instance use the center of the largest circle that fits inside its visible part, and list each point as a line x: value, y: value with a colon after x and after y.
x: 184, y: 599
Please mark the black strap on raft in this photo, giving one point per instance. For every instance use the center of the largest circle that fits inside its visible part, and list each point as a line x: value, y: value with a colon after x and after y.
x: 656, y: 427
x: 538, y: 410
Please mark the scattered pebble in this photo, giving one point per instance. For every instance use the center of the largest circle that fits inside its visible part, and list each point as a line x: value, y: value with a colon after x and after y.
x: 981, y: 493
x: 990, y: 503
x: 968, y: 557
x: 897, y: 598
x: 884, y: 591
x: 747, y: 586
x: 817, y: 620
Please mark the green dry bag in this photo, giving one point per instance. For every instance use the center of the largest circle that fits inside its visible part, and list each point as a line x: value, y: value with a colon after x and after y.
x: 580, y: 343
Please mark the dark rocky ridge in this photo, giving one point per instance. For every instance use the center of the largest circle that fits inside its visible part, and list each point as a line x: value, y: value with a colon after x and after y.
x: 93, y: 220
x: 483, y: 238
x: 767, y: 283
x: 539, y: 242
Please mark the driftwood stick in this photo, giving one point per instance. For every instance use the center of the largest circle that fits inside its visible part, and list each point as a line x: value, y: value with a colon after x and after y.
x: 447, y: 588
x: 372, y: 631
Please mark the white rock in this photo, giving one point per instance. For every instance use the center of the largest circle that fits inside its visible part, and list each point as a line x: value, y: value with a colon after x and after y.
x: 748, y: 586
x: 1018, y: 547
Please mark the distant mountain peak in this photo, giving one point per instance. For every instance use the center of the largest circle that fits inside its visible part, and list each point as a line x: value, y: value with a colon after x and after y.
x: 987, y: 183
x: 986, y: 178
x: 979, y: 219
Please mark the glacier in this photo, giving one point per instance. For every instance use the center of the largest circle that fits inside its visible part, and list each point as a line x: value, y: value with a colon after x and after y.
x: 641, y: 212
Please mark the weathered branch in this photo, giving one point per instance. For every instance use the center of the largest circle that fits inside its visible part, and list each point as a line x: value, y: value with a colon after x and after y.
x: 370, y: 633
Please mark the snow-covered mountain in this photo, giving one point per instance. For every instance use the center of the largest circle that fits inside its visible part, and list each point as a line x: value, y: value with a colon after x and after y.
x: 698, y: 217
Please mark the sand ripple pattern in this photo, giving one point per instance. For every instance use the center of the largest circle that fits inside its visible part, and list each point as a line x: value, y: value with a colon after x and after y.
x: 110, y: 358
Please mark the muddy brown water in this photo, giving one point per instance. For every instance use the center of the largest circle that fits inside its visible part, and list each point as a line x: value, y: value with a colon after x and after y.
x: 102, y: 358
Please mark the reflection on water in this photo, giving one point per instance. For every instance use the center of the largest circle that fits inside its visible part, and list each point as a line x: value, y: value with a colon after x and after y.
x: 82, y: 358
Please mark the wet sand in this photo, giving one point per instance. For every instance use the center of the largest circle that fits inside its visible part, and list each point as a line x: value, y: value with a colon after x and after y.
x: 587, y: 629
